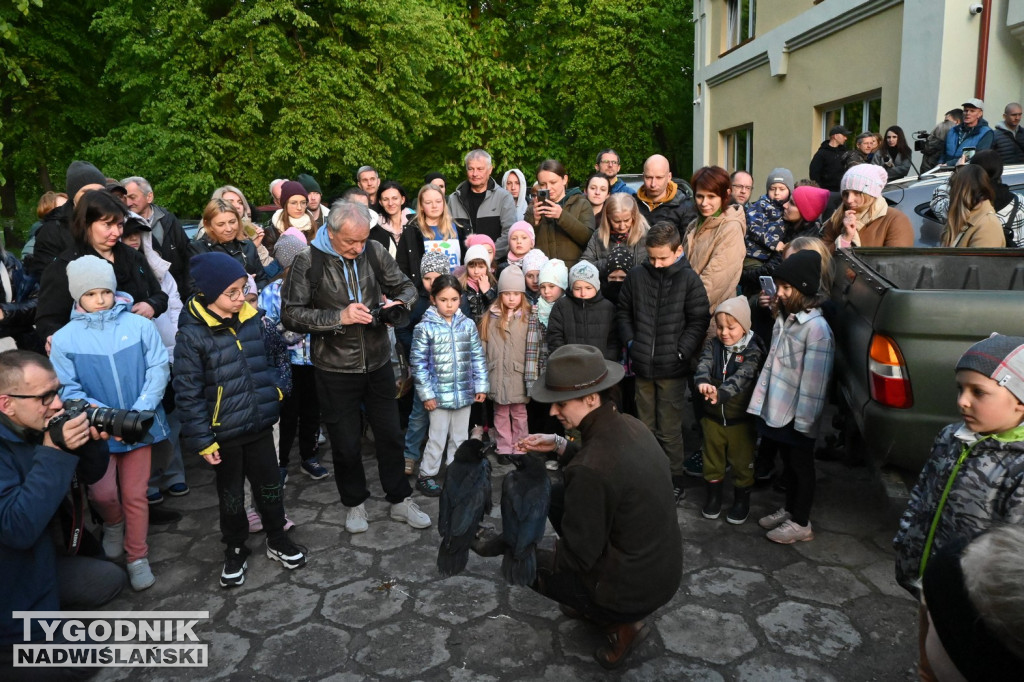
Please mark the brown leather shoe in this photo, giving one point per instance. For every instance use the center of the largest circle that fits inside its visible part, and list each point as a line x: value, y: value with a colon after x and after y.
x: 622, y: 639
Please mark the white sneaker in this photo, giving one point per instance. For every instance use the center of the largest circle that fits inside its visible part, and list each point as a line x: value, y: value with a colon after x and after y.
x: 407, y: 512
x: 113, y: 540
x: 356, y: 520
x: 140, y: 574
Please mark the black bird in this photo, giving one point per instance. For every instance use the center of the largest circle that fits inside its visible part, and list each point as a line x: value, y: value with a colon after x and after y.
x: 525, y: 497
x: 465, y: 500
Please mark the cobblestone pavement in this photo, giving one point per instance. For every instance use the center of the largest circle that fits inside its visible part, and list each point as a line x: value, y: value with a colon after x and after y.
x: 372, y: 606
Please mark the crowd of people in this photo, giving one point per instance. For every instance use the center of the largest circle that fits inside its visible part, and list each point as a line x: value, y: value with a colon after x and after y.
x: 642, y: 315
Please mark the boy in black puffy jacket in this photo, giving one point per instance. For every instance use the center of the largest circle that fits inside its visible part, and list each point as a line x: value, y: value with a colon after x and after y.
x: 228, y: 395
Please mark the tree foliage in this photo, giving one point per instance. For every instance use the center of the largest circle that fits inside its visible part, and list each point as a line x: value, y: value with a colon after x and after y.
x: 198, y: 93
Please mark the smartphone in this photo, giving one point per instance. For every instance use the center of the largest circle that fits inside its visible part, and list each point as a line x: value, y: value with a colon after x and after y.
x: 543, y: 195
x: 969, y: 154
x: 767, y: 285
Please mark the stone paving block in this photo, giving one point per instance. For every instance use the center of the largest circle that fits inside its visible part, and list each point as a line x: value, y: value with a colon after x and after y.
x: 668, y: 668
x: 349, y: 677
x: 883, y: 539
x: 457, y: 599
x: 227, y: 651
x: 385, y: 534
x: 265, y: 610
x: 500, y: 643
x: 731, y: 583
x: 406, y: 650
x: 323, y: 492
x: 839, y: 549
x: 579, y: 638
x: 526, y: 601
x: 829, y: 584
x: 888, y: 625
x: 694, y: 557
x: 749, y: 552
x: 167, y: 546
x: 566, y: 673
x: 417, y: 564
x: 882, y: 575
x: 467, y: 675
x: 772, y: 667
x: 172, y: 578
x: 323, y: 649
x: 364, y: 602
x: 706, y: 634
x: 334, y: 566
x: 809, y: 631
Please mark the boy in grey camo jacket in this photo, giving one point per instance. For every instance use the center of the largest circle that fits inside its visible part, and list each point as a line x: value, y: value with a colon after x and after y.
x: 974, y: 478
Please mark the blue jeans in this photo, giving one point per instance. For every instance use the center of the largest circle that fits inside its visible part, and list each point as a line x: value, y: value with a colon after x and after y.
x: 416, y: 433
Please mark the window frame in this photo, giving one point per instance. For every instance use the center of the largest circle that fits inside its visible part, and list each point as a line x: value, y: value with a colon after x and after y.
x: 730, y: 147
x: 871, y: 111
x: 734, y: 27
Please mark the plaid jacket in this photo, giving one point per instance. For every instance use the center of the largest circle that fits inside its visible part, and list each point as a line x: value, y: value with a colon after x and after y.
x: 794, y: 382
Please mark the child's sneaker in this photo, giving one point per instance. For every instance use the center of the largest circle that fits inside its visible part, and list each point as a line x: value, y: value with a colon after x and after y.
x: 407, y: 512
x: 140, y: 574
x: 774, y: 519
x: 233, y: 573
x: 789, y: 532
x: 155, y: 497
x: 113, y: 540
x: 694, y: 465
x: 287, y: 552
x: 255, y: 522
x: 314, y: 469
x: 428, y: 486
x: 178, y: 490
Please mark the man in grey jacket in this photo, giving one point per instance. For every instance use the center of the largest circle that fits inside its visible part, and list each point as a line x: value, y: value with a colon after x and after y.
x: 479, y: 206
x: 333, y: 291
x: 1009, y: 135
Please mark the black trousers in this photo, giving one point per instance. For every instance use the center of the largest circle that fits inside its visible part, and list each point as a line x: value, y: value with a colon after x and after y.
x: 250, y: 458
x: 300, y: 413
x: 342, y: 395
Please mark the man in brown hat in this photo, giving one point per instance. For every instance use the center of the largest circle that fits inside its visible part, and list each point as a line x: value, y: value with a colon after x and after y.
x: 618, y: 556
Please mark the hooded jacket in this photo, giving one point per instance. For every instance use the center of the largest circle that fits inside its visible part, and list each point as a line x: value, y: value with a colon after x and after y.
x: 663, y: 316
x: 133, y: 274
x: 496, y: 214
x: 765, y: 227
x: 1009, y: 144
x: 674, y: 208
x: 225, y: 386
x: 242, y: 251
x: 619, y: 531
x: 354, y: 348
x: 733, y: 374
x: 827, y: 166
x: 590, y: 321
x: 447, y: 360
x: 960, y: 137
x: 114, y: 358
x: 987, y: 489
x: 566, y: 237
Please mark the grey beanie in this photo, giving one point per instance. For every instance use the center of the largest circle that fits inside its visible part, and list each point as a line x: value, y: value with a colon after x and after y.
x: 435, y: 261
x: 998, y: 357
x: 80, y: 174
x: 87, y: 273
x: 779, y: 175
x: 585, y: 271
x: 287, y: 248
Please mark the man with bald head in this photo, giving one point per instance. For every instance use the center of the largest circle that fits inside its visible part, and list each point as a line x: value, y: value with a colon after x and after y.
x: 331, y: 292
x: 660, y: 199
x: 1009, y: 135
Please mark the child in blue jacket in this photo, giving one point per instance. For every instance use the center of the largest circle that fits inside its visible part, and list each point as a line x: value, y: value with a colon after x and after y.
x: 765, y: 223
x: 110, y: 357
x: 450, y: 371
x: 228, y: 392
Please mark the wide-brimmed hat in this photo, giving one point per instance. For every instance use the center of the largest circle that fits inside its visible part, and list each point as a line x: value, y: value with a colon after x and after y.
x: 573, y: 371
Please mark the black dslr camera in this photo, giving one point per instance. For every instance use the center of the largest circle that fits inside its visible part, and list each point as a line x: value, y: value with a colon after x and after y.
x: 396, y: 315
x: 131, y: 426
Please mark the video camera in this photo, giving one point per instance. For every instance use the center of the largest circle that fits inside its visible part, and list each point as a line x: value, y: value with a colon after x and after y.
x: 921, y: 140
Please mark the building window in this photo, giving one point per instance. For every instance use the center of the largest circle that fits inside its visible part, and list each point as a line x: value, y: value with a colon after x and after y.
x: 739, y: 148
x: 741, y: 22
x: 859, y: 115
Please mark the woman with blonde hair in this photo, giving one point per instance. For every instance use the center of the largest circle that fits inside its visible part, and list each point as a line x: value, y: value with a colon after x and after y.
x: 249, y: 230
x: 431, y: 229
x: 220, y: 232
x: 972, y: 220
x: 621, y: 224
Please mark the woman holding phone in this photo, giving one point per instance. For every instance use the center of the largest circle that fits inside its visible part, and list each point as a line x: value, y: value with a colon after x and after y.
x: 563, y: 219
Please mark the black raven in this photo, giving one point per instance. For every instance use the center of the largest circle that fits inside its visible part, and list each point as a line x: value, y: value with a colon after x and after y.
x: 465, y: 499
x: 525, y: 497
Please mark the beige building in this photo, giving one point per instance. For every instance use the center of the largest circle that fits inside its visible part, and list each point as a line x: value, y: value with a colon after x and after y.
x: 772, y: 76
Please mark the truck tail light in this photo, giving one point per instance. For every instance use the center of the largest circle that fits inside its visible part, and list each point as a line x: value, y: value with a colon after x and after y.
x: 887, y: 371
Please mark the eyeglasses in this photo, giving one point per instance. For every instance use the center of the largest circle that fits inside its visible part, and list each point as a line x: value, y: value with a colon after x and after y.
x: 746, y: 187
x: 300, y: 202
x: 233, y: 294
x: 609, y: 162
x: 45, y: 398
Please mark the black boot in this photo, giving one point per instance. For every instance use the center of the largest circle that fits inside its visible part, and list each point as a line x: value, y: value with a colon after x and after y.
x: 740, y: 506
x: 713, y: 501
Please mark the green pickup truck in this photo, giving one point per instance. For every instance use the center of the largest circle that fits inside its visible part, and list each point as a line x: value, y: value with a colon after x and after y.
x: 903, y: 318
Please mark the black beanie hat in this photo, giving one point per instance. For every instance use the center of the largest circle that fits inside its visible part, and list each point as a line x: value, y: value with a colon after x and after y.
x: 619, y: 258
x: 80, y: 174
x: 309, y: 183
x: 802, y: 271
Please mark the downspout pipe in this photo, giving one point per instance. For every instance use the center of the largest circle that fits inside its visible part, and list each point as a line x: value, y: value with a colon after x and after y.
x: 986, y: 21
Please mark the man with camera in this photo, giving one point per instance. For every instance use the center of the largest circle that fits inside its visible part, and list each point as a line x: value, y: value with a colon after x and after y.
x: 345, y: 291
x: 38, y: 466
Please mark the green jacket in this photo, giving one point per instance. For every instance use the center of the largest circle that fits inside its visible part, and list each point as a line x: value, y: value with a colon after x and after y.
x: 568, y: 236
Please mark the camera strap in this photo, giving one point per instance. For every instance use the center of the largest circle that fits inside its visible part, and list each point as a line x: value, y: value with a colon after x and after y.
x: 74, y: 536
